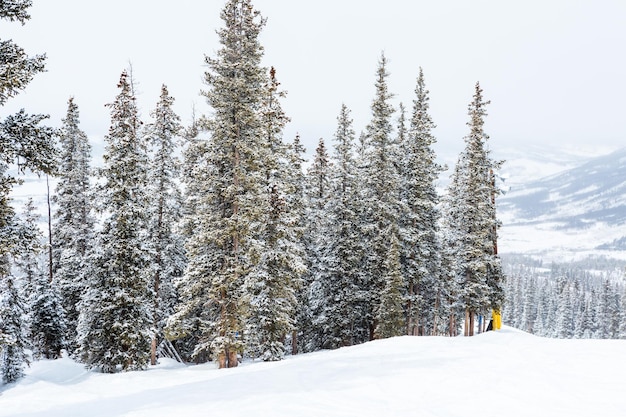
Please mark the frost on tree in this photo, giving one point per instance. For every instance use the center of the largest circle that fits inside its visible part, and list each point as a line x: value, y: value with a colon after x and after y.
x: 225, y: 245
x: 317, y: 193
x: 73, y: 224
x: 472, y: 221
x: 166, y: 244
x: 381, y: 203
x: 340, y: 248
x: 24, y: 141
x: 419, y: 221
x: 390, y: 320
x: 272, y: 284
x: 13, y: 353
x: 115, y: 318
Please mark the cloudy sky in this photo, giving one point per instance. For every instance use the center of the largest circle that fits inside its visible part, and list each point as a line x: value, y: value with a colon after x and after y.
x: 555, y: 71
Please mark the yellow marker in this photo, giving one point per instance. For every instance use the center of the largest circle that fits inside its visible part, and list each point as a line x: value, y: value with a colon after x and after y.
x: 497, y: 320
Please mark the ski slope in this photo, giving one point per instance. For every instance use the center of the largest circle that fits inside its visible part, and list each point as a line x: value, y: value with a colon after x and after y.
x: 505, y: 373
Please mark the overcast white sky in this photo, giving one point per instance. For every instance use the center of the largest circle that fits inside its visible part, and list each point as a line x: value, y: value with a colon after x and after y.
x: 555, y: 71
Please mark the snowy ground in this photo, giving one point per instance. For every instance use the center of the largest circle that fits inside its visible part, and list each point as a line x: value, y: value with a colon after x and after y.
x: 506, y: 373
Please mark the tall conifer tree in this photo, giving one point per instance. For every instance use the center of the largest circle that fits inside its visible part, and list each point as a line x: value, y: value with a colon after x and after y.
x: 381, y: 197
x: 73, y: 226
x: 22, y: 140
x: 115, y: 317
x: 472, y: 210
x: 272, y: 285
x: 165, y: 209
x: 317, y: 194
x: 420, y: 218
x: 342, y: 249
x: 223, y: 250
x: 297, y: 202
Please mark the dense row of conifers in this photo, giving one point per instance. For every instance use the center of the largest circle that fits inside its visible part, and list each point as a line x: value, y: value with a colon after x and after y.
x: 234, y: 251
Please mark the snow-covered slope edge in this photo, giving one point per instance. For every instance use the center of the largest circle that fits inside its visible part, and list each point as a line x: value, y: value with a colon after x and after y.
x: 499, y: 373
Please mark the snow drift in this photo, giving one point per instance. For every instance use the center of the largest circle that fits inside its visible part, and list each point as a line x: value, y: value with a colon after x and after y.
x: 505, y: 373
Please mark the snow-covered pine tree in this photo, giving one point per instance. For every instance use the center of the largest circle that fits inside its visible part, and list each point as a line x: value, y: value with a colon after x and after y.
x: 622, y: 325
x: 565, y: 315
x: 296, y: 200
x: 16, y: 295
x: 341, y: 248
x: 73, y: 225
x: 273, y: 282
x: 419, y: 233
x: 381, y: 200
x: 222, y: 250
x: 25, y: 141
x: 115, y: 313
x: 47, y: 319
x: 166, y: 244
x: 29, y: 248
x: 317, y: 194
x: 185, y: 327
x: 390, y: 316
x: 22, y: 139
x: 472, y: 206
x: 13, y: 352
x: 46, y: 322
x: 529, y: 310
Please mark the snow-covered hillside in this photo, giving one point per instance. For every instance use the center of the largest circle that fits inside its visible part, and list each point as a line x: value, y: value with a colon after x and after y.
x: 504, y: 373
x: 576, y: 212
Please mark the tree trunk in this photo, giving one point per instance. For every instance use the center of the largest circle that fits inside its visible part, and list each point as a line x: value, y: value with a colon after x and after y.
x: 294, y: 342
x: 50, y: 270
x: 221, y: 360
x: 153, y: 351
x: 466, y: 324
x: 233, y: 361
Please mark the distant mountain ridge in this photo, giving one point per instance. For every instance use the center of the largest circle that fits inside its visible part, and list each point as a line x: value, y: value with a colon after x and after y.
x: 588, y: 200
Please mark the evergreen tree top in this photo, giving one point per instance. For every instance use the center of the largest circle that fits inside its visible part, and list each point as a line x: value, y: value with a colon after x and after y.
x: 15, y: 10
x: 477, y: 112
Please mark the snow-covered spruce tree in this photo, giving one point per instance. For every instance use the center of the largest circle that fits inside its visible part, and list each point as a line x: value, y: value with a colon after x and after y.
x: 45, y: 322
x: 390, y: 316
x: 73, y: 226
x: 166, y: 244
x: 29, y: 247
x: 184, y: 329
x: 115, y: 312
x: 381, y: 202
x: 13, y: 353
x: 564, y: 326
x: 341, y: 248
x: 16, y: 295
x: 419, y: 219
x: 622, y: 326
x: 472, y: 196
x: 47, y: 319
x: 317, y: 194
x: 297, y: 202
x: 606, y: 313
x: 22, y: 140
x: 222, y: 250
x: 273, y: 282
